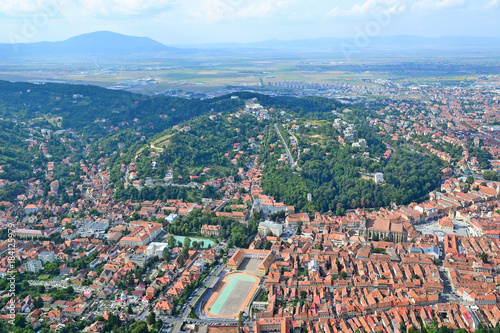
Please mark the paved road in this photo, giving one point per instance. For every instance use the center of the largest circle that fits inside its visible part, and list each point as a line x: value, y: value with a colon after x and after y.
x: 290, y: 159
x: 447, y: 296
x: 298, y: 148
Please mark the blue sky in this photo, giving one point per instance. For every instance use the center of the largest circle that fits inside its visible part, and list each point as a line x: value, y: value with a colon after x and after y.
x: 208, y: 21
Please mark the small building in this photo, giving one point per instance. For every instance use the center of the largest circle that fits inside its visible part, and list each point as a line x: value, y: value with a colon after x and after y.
x: 31, y: 208
x: 211, y: 230
x: 138, y: 259
x: 156, y: 249
x: 446, y: 223
x: 171, y: 218
x: 379, y: 178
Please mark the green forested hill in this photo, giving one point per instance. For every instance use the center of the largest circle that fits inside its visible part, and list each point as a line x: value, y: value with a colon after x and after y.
x: 97, y: 111
x: 330, y: 170
x: 213, y: 139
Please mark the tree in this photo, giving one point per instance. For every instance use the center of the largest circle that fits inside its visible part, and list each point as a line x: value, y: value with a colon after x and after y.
x: 151, y: 320
x: 343, y: 275
x: 267, y: 245
x: 171, y: 241
x: 20, y: 321
x: 339, y: 265
x: 187, y: 242
x: 379, y: 250
x: 299, y: 228
x: 484, y: 257
x: 159, y: 324
x: 339, y: 211
x: 38, y: 303
x: 413, y: 329
x: 240, y: 319
x: 113, y: 321
x: 139, y: 327
x: 303, y: 294
x: 166, y: 254
x: 276, y: 216
x: 52, y: 268
x: 470, y: 180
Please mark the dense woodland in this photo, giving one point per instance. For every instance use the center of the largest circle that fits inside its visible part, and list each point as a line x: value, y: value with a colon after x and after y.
x: 206, y: 143
x: 100, y: 119
x: 330, y: 171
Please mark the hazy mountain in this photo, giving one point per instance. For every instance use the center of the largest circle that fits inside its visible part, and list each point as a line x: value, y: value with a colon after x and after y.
x: 114, y: 46
x: 332, y: 44
x: 101, y: 43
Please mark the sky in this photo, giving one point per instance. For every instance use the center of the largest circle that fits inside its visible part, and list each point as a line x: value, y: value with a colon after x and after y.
x: 175, y: 22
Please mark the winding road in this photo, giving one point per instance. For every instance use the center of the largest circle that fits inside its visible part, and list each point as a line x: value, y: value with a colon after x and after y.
x: 289, y: 155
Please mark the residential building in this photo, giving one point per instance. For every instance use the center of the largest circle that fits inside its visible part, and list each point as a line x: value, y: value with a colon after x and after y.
x: 34, y: 266
x: 270, y: 228
x: 46, y: 257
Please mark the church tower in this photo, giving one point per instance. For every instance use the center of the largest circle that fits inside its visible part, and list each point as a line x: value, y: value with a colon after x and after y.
x: 362, y: 227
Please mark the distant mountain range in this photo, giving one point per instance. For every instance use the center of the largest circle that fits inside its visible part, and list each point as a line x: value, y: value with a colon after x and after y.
x: 101, y: 43
x: 113, y: 45
x: 332, y: 43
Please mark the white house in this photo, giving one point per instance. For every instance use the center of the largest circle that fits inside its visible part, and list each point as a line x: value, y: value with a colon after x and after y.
x: 47, y: 257
x: 379, y: 177
x: 34, y: 266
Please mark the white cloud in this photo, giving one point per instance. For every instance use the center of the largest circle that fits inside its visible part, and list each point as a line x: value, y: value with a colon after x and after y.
x: 229, y: 10
x: 433, y: 4
x: 87, y: 7
x: 370, y: 7
x: 124, y: 7
x: 28, y: 6
x: 492, y: 4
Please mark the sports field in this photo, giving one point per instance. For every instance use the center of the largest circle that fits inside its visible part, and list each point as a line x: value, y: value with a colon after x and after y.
x: 233, y: 296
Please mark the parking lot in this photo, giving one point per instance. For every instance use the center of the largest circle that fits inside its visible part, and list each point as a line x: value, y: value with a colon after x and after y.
x: 288, y: 232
